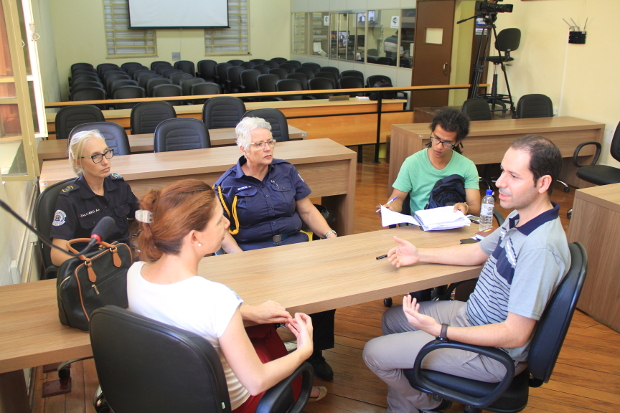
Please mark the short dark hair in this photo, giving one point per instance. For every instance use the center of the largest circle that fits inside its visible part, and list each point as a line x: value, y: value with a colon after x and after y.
x: 452, y: 120
x: 545, y: 157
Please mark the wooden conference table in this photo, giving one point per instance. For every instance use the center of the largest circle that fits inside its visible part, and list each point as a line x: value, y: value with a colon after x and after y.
x: 57, y: 148
x: 326, y: 166
x: 488, y: 140
x: 327, y: 274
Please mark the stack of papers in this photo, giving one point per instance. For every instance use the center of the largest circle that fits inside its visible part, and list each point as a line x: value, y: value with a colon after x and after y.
x: 429, y: 219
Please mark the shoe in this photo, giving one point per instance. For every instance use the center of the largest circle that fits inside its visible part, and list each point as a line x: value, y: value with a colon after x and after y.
x: 322, y: 394
x: 444, y: 405
x: 322, y: 370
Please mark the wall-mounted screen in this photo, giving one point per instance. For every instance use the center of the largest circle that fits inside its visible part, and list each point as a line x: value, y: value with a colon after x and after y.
x: 166, y: 14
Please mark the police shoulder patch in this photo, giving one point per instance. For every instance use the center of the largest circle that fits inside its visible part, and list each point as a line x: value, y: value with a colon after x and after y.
x: 115, y: 176
x: 59, y: 218
x: 68, y: 188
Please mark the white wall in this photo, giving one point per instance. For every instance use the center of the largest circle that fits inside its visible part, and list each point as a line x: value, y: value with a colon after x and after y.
x: 582, y: 80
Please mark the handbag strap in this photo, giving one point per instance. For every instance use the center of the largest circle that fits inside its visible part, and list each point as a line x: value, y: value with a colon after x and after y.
x: 112, y: 248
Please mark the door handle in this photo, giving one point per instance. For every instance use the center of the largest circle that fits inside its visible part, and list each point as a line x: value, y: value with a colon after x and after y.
x: 445, y: 66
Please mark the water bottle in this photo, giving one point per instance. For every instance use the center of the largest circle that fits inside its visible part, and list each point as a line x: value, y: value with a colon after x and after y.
x: 486, y: 211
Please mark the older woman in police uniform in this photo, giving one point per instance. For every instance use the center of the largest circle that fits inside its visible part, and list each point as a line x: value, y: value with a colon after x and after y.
x: 95, y: 193
x: 266, y: 201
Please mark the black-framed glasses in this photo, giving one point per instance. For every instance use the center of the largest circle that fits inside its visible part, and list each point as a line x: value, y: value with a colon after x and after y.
x: 448, y: 145
x: 98, y: 157
x: 261, y: 144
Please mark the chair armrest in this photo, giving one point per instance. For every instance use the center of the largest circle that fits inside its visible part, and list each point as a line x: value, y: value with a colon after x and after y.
x: 241, y: 88
x: 578, y: 149
x: 309, y: 97
x: 280, y: 396
x: 467, y: 399
x: 278, y: 99
x: 50, y: 272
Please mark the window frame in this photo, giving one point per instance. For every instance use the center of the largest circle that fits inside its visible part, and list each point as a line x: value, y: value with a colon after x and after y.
x: 148, y: 37
x: 235, y: 10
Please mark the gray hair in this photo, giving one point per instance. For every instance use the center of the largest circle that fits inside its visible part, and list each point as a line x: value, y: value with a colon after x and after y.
x: 246, y: 126
x: 76, y: 147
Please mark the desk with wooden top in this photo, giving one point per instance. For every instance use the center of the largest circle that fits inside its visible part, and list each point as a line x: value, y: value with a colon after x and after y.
x: 333, y: 273
x: 595, y: 223
x: 57, y: 148
x: 488, y: 140
x: 348, y: 122
x: 326, y: 166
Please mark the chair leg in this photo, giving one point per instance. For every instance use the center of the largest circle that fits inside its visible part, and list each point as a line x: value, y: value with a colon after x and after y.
x: 565, y: 185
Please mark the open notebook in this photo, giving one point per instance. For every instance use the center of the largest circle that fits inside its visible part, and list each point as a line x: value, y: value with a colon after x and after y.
x: 429, y: 219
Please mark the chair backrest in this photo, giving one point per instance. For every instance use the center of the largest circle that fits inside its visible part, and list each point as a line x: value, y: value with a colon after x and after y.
x: 179, y: 134
x: 351, y: 82
x: 111, y: 79
x: 186, y: 84
x: 258, y: 61
x: 233, y: 74
x: 301, y: 77
x: 554, y: 323
x: 169, y: 72
x: 534, y: 106
x: 156, y: 81
x: 206, y: 69
x: 145, y: 77
x: 207, y: 88
x: 614, y: 149
x: 119, y: 83
x: 295, y: 63
x: 147, y: 366
x: 220, y: 72
x: 319, y: 83
x: 333, y: 70
x: 76, y: 66
x: 69, y: 117
x: 125, y: 66
x: 113, y: 133
x: 281, y: 73
x: 137, y: 69
x: 306, y: 71
x: 248, y: 65
x: 160, y: 63
x: 288, y: 67
x: 327, y: 75
x: 84, y: 77
x: 285, y: 85
x: 160, y: 68
x: 370, y: 82
x: 235, y: 62
x: 186, y: 66
x: 508, y: 40
x: 103, y: 67
x: 222, y: 112
x: 272, y: 64
x: 128, y: 92
x: 248, y: 80
x: 267, y: 83
x: 160, y: 91
x: 146, y: 116
x: 476, y: 109
x: 263, y: 69
x: 277, y: 120
x: 85, y: 85
x: 91, y: 93
x: 314, y: 66
x: 44, y: 210
x: 178, y: 77
x: 388, y: 61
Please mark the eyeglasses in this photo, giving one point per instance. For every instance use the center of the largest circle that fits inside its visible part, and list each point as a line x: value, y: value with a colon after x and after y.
x: 98, y: 157
x: 447, y: 145
x: 261, y: 144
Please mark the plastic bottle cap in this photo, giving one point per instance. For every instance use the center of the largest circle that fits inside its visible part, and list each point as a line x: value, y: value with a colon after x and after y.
x: 489, y: 192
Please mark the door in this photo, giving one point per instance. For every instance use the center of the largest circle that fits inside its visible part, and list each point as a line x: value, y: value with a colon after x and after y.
x: 433, y: 51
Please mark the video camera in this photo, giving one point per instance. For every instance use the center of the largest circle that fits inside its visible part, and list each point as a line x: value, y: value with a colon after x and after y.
x: 483, y: 7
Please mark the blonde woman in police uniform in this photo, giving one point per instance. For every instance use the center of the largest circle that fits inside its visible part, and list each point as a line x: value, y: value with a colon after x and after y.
x: 95, y: 193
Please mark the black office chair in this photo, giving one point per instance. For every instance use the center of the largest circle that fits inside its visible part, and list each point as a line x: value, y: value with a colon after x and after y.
x: 263, y: 69
x: 277, y: 120
x: 104, y: 67
x: 147, y: 366
x: 248, y: 65
x: 220, y: 74
x: 206, y: 70
x: 113, y: 86
x: 281, y: 73
x: 384, y: 81
x: 207, y: 88
x: 69, y: 117
x: 333, y: 70
x: 267, y: 83
x: 125, y: 66
x: 314, y: 66
x: 143, y: 78
x: 233, y: 78
x: 306, y: 71
x: 85, y: 77
x: 279, y: 60
x: 507, y: 41
x: 511, y: 394
x: 91, y: 93
x: 351, y: 82
x: 534, y: 106
x: 476, y: 109
x: 272, y: 64
x: 301, y: 77
x: 295, y: 63
x: 76, y: 66
x: 222, y: 112
x: 327, y: 75
x: 179, y: 134
x: 248, y: 81
x: 321, y: 83
x: 288, y: 67
x: 287, y: 85
x: 258, y: 61
x: 168, y: 91
x: 152, y: 83
x: 235, y: 62
x: 353, y: 73
x: 84, y: 85
x: 185, y: 66
x: 178, y: 77
x: 146, y: 116
x: 157, y: 63
x: 599, y: 174
x: 128, y: 92
x: 167, y: 73
x: 113, y: 133
x: 160, y: 68
x: 44, y: 210
x: 186, y: 84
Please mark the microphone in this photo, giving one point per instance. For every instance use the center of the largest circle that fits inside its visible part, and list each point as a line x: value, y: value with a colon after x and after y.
x: 103, y: 229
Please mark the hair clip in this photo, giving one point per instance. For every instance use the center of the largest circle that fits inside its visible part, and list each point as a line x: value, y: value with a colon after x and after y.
x: 144, y: 216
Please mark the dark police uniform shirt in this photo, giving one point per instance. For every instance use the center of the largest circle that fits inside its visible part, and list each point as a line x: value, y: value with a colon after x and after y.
x: 265, y: 208
x: 79, y: 209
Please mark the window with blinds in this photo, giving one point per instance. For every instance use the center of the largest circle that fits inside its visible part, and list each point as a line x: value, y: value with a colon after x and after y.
x: 120, y: 40
x: 234, y: 40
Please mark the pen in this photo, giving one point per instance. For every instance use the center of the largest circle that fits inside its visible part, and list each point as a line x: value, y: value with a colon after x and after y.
x: 380, y: 257
x: 387, y: 203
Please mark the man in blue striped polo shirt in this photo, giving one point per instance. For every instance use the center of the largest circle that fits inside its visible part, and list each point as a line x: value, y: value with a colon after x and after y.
x: 526, y: 258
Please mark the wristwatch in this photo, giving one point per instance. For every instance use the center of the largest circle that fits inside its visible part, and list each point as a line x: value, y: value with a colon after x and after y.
x: 443, y: 335
x: 328, y: 233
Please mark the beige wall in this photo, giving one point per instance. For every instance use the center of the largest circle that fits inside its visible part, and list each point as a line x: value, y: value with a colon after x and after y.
x: 80, y: 36
x: 582, y: 80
